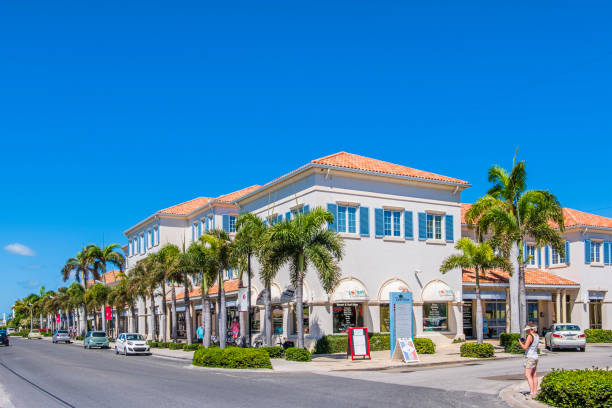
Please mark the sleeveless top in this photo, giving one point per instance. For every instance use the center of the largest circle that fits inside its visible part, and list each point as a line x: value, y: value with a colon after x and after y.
x: 532, y: 350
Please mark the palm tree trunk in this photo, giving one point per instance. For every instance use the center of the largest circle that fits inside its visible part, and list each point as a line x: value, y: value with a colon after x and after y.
x: 299, y: 290
x: 103, y: 317
x: 222, y: 313
x: 479, y: 322
x: 207, y: 316
x: 152, y: 316
x: 268, y: 313
x: 67, y: 319
x: 174, y: 323
x: 84, y: 328
x: 132, y: 327
x: 41, y: 320
x: 162, y: 325
x: 187, y: 312
x: 522, y: 299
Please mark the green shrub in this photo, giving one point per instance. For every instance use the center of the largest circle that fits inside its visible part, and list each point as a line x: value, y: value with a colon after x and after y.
x: 458, y: 340
x: 80, y: 337
x: 577, y: 388
x: 514, y: 348
x: 379, y: 341
x: 231, y: 357
x: 190, y: 347
x: 598, y: 336
x: 484, y: 350
x: 506, y: 339
x: 274, y: 351
x: 337, y: 343
x: 164, y: 344
x: 175, y: 346
x: 297, y: 354
x: 424, y: 346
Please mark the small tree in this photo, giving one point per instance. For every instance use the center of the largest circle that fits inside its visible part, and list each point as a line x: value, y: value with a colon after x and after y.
x: 480, y: 258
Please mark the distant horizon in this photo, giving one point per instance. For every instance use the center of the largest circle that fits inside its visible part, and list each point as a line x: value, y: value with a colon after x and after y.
x: 111, y: 112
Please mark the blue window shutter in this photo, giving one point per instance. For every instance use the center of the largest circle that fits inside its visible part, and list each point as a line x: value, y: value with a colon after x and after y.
x: 333, y: 209
x: 378, y: 222
x: 207, y: 224
x: 225, y: 222
x: 364, y: 221
x: 422, y: 226
x: 606, y: 247
x: 547, y: 255
x: 288, y: 215
x: 587, y: 251
x: 199, y: 228
x: 525, y: 254
x: 567, y: 252
x: 279, y: 217
x: 539, y: 257
x: 306, y: 209
x: 408, y: 227
x: 450, y: 233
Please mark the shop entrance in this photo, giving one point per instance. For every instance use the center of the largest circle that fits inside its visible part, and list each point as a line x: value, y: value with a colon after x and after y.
x: 495, y: 313
x: 532, y: 313
x: 595, y: 313
x: 467, y: 320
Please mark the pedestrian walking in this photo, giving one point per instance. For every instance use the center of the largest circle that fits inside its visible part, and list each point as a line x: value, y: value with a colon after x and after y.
x: 235, y: 328
x: 530, y: 345
x: 200, y: 334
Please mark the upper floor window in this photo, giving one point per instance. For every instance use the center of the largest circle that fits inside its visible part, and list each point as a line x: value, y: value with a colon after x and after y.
x: 531, y: 255
x: 156, y: 234
x: 150, y: 238
x: 141, y: 248
x: 347, y: 219
x: 232, y: 224
x: 391, y: 222
x: 434, y: 226
x: 595, y: 251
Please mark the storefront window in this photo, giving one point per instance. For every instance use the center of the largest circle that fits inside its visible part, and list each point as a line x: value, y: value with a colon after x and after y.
x: 568, y: 309
x: 306, y: 320
x: 347, y: 315
x: 232, y: 314
x: 467, y: 320
x: 595, y: 314
x: 277, y: 319
x: 435, y: 317
x: 385, y: 320
x: 180, y: 324
x: 494, y: 321
x: 255, y: 320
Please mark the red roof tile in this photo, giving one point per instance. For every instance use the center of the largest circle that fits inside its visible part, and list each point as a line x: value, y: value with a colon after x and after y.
x: 532, y: 277
x: 353, y: 161
x: 237, y: 194
x: 186, y: 207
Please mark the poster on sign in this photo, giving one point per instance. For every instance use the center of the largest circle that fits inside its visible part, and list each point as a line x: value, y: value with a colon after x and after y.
x: 405, y: 350
x: 108, y: 312
x: 358, y: 343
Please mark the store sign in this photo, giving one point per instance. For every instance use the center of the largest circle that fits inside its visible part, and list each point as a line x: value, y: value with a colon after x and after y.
x: 355, y: 293
x: 446, y: 294
x: 58, y: 318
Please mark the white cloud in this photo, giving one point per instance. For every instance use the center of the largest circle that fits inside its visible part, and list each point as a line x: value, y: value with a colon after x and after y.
x: 19, y: 249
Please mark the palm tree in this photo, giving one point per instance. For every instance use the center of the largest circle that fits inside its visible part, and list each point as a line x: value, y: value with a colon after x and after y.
x: 143, y: 274
x: 96, y: 296
x: 118, y: 297
x: 222, y: 260
x: 165, y: 271
x: 511, y: 214
x: 480, y: 258
x: 136, y: 288
x: 203, y: 260
x: 77, y: 302
x: 81, y: 267
x: 301, y: 242
x: 248, y: 242
x: 102, y: 257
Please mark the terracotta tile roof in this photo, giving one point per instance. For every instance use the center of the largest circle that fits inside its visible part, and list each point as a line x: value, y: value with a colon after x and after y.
x: 353, y: 161
x: 532, y: 277
x: 111, y: 278
x: 229, y: 286
x: 186, y: 207
x: 464, y: 209
x: 237, y: 194
x: 574, y: 218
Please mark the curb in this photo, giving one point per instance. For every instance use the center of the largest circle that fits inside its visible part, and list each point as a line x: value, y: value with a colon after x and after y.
x: 513, y: 395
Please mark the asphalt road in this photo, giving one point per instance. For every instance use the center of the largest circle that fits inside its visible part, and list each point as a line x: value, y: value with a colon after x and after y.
x: 38, y: 373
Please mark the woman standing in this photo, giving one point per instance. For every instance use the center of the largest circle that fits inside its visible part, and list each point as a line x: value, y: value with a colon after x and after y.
x: 530, y: 345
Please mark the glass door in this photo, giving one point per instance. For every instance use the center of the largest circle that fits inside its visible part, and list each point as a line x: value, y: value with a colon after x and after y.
x: 595, y: 314
x: 495, y: 318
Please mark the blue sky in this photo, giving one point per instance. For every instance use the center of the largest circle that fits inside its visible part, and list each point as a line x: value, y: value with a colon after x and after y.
x: 113, y: 110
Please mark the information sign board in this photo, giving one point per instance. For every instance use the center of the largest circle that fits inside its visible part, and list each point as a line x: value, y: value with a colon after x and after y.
x: 358, y: 343
x: 405, y: 350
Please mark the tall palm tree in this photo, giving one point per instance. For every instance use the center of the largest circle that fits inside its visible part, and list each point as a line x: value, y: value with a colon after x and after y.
x: 81, y: 267
x: 301, y: 242
x: 96, y: 296
x: 165, y: 271
x: 204, y: 265
x: 118, y: 297
x: 248, y: 242
x: 102, y: 257
x: 77, y: 302
x: 222, y: 259
x: 480, y: 258
x: 512, y: 214
x: 136, y: 289
x: 143, y: 273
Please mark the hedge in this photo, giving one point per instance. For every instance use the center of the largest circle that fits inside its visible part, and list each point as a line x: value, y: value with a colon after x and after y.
x: 598, y: 336
x: 175, y: 346
x: 506, y: 339
x: 274, y: 351
x: 484, y: 350
x: 424, y: 346
x: 297, y: 354
x: 190, y: 347
x: 514, y: 348
x: 231, y: 357
x: 338, y: 344
x: 577, y: 388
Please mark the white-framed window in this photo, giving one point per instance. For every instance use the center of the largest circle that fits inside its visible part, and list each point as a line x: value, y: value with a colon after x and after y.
x: 130, y: 249
x: 391, y: 223
x: 434, y: 226
x: 596, y: 251
x: 347, y: 219
x: 232, y: 224
x: 141, y: 247
x: 210, y: 225
x: 134, y: 246
x: 150, y: 238
x: 556, y: 258
x: 531, y: 255
x: 156, y: 234
x: 194, y: 231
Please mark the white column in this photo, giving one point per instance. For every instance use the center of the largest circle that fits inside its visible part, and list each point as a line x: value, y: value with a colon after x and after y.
x: 458, y: 312
x: 417, y: 309
x: 564, y: 306
x: 558, y: 307
x: 507, y: 310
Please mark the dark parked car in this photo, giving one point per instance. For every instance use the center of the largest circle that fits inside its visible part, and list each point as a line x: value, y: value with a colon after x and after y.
x: 4, y: 339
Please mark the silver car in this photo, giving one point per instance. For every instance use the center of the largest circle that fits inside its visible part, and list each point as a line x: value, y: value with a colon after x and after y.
x: 565, y: 335
x: 61, y: 336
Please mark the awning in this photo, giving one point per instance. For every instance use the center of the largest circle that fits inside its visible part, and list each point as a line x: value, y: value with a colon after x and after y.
x: 596, y: 295
x: 392, y: 286
x: 350, y: 290
x: 485, y: 295
x: 539, y: 296
x: 438, y: 291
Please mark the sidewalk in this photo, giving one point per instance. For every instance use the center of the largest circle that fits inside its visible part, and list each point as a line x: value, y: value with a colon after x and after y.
x: 515, y: 396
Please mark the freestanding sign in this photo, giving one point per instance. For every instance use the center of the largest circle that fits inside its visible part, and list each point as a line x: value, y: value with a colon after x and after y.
x: 400, y: 311
x: 358, y: 343
x: 405, y: 350
x: 108, y: 313
x: 58, y: 318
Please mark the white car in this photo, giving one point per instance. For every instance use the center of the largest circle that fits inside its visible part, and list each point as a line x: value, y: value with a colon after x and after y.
x: 131, y: 343
x: 565, y: 335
